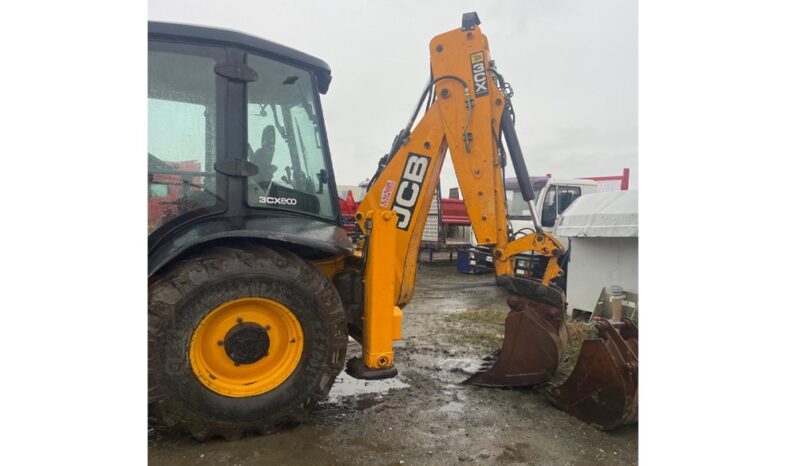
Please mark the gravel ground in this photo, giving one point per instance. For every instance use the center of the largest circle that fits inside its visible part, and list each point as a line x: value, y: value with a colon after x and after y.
x: 424, y: 416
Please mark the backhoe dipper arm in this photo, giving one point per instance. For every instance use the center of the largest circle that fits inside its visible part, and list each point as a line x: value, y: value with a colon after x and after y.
x: 466, y: 116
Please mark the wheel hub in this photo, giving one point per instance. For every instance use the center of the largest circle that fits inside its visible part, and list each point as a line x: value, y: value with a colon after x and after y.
x: 246, y: 347
x: 246, y: 343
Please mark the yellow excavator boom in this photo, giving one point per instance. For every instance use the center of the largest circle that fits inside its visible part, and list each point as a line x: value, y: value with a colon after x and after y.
x: 466, y: 114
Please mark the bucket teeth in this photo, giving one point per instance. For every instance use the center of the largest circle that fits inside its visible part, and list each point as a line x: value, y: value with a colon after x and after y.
x: 487, y: 362
x: 602, y: 389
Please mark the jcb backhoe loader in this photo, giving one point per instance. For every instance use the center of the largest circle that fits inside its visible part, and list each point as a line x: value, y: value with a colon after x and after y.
x: 254, y: 286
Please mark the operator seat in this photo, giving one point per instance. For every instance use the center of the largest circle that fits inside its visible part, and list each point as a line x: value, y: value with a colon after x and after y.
x: 263, y: 157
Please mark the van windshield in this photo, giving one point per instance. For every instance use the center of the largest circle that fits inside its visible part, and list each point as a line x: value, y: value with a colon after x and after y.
x: 517, y: 207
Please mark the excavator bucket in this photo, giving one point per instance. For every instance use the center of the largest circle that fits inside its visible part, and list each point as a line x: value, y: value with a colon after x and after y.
x: 602, y: 389
x: 534, y: 341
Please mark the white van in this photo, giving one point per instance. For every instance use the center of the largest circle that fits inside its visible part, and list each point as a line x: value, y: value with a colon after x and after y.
x: 552, y: 197
x: 550, y: 201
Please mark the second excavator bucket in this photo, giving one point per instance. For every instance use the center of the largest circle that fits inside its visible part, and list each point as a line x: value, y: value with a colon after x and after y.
x: 602, y: 389
x: 534, y: 340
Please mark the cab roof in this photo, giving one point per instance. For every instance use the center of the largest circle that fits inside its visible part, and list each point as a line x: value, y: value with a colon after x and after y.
x: 190, y: 33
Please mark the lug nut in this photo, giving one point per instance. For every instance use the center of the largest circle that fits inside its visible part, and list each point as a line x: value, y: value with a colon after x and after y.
x: 239, y: 320
x: 220, y: 342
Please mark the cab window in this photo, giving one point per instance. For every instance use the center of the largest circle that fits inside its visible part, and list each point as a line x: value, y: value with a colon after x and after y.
x: 558, y: 198
x: 565, y: 196
x: 284, y: 141
x: 181, y: 130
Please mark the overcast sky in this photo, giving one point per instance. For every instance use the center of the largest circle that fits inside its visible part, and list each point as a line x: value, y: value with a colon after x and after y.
x: 572, y: 64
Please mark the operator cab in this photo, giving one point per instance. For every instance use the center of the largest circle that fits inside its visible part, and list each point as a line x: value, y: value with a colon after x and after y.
x: 236, y: 137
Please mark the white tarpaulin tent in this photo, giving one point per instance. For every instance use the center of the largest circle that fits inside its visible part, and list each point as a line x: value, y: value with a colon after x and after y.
x: 602, y: 232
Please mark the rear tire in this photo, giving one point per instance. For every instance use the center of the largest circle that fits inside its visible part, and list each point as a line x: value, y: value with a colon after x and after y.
x: 183, y: 295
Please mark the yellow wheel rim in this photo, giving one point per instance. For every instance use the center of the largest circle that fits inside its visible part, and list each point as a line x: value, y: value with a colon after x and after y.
x: 246, y: 347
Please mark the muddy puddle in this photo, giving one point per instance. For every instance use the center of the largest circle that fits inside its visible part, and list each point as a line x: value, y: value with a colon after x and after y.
x: 361, y: 394
x: 346, y: 386
x: 463, y: 366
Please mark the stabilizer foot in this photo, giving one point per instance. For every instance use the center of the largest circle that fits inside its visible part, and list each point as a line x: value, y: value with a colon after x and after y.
x: 357, y: 369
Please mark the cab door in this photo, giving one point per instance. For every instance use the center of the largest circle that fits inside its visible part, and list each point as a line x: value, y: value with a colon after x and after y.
x: 556, y: 198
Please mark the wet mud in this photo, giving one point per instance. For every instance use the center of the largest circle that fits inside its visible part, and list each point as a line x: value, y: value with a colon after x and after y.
x: 425, y: 416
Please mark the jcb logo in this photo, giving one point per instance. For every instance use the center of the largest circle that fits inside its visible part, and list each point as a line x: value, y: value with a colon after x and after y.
x: 410, y: 189
x: 479, y: 74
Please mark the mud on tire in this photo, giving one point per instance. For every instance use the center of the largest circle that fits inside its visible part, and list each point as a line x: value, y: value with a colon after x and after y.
x: 182, y: 295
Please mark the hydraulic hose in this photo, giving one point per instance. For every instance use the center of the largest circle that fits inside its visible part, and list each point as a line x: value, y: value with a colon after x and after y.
x: 469, y: 106
x: 400, y: 138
